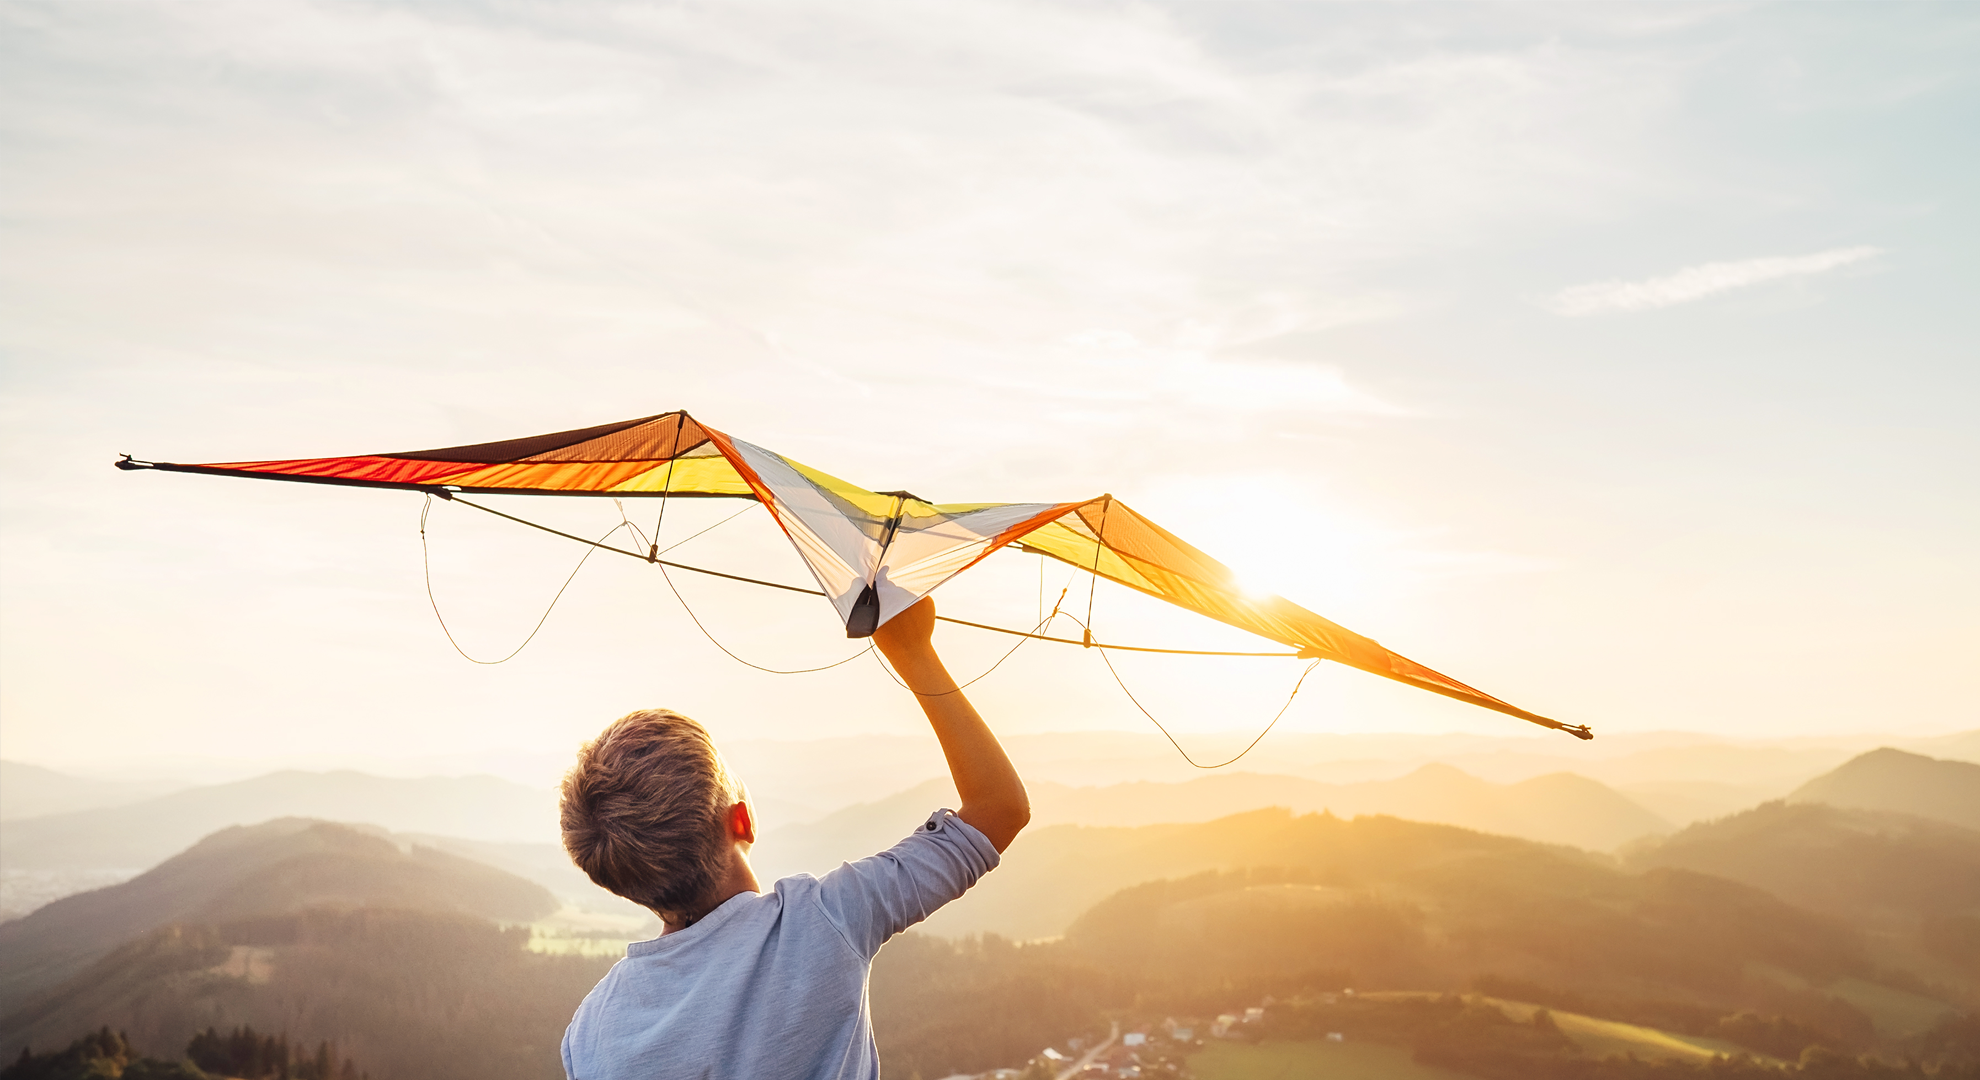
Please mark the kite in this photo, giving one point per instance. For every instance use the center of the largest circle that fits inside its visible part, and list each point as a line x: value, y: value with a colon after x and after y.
x: 872, y: 553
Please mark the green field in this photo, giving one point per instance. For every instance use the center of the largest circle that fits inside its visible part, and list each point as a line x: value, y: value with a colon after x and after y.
x: 1311, y: 1061
x: 571, y: 932
x: 1600, y: 1038
x: 1895, y: 1012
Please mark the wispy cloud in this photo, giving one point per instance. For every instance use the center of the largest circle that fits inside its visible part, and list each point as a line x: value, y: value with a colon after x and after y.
x: 1697, y: 282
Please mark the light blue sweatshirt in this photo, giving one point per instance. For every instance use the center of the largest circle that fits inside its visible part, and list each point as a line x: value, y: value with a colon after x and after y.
x: 772, y: 986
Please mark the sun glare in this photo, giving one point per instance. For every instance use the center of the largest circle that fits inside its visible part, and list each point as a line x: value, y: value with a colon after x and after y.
x: 1303, y: 550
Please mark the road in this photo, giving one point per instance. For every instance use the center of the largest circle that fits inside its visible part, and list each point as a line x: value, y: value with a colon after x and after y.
x: 1087, y: 1058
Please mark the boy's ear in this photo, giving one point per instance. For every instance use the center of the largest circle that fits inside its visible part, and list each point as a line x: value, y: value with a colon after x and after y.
x: 742, y: 823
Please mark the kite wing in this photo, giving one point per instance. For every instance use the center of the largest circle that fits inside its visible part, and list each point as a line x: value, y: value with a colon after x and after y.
x: 653, y: 455
x: 873, y: 553
x: 1109, y: 539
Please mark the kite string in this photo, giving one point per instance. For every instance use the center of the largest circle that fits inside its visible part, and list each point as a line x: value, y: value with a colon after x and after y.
x: 1172, y: 739
x: 426, y: 566
x: 1086, y: 634
x: 592, y: 547
x: 692, y: 617
x: 657, y: 549
x: 1022, y: 638
x: 654, y: 557
x: 818, y: 593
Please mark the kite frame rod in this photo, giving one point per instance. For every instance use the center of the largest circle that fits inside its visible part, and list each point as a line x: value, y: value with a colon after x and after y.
x: 1116, y: 648
x: 448, y: 495
x: 451, y: 497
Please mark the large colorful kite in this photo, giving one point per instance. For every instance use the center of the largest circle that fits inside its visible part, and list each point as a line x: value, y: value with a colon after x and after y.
x: 873, y: 553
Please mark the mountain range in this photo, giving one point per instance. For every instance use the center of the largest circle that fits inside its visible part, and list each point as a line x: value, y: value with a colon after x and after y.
x: 406, y: 957
x: 1680, y: 776
x: 513, y: 825
x: 139, y: 834
x: 1888, y: 779
x: 244, y: 871
x: 1561, y: 808
x: 1910, y: 880
x: 32, y: 791
x: 1841, y: 925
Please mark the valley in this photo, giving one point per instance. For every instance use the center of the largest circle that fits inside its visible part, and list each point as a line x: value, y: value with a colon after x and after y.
x: 1330, y: 907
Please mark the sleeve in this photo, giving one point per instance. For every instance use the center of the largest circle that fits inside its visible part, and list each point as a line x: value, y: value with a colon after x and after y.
x: 881, y: 895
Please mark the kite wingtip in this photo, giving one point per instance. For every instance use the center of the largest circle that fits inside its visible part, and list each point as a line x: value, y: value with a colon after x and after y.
x: 125, y: 462
x: 1579, y: 731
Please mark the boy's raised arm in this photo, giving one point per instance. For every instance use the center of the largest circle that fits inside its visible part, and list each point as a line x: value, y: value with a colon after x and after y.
x: 993, y: 798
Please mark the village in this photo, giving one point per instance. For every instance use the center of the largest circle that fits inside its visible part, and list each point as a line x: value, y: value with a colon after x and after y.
x: 1145, y: 1050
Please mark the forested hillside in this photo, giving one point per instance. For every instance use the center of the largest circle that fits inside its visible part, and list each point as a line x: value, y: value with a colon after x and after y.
x: 328, y: 933
x: 244, y: 872
x: 1895, y: 781
x: 1910, y: 884
x: 1309, y: 904
x: 1557, y: 808
x: 409, y: 993
x: 413, y: 962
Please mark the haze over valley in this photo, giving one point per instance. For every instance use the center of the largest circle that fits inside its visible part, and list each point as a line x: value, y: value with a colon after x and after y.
x: 1846, y: 912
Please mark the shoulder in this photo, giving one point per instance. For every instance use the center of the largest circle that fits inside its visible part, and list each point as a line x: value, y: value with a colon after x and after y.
x: 585, y: 1018
x: 795, y: 887
x: 801, y: 898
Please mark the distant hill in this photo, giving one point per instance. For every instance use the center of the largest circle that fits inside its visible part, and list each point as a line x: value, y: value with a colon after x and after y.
x: 1854, y: 863
x: 1686, y: 802
x: 271, y: 869
x: 1051, y: 875
x: 1560, y: 808
x: 547, y: 865
x: 1193, y: 919
x: 1386, y: 903
x: 31, y: 791
x: 1888, y: 779
x: 394, y: 950
x: 1718, y: 761
x: 817, y: 776
x: 422, y: 994
x: 1961, y: 746
x: 142, y: 833
x: 1911, y: 881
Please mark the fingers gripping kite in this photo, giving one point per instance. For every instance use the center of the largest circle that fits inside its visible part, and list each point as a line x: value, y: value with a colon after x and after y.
x: 873, y: 553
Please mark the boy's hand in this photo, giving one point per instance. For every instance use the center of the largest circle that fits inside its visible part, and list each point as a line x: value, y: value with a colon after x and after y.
x: 993, y: 798
x: 912, y: 630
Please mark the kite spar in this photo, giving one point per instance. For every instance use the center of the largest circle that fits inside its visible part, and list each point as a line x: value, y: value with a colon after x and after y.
x: 873, y: 554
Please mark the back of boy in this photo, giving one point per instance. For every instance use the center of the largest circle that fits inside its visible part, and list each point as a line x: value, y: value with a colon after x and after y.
x: 743, y: 982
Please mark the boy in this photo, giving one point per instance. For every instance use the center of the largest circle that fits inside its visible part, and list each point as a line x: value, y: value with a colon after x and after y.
x: 750, y: 984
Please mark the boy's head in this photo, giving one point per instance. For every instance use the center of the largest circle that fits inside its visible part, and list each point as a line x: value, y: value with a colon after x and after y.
x: 646, y: 811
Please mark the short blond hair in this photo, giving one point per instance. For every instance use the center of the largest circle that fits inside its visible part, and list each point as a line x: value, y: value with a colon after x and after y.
x: 645, y: 810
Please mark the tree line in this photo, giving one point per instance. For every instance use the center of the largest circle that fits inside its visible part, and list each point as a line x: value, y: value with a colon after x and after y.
x: 241, y: 1054
x: 1477, y: 1037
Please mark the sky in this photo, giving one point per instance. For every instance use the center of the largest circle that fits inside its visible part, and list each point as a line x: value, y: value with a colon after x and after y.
x: 1618, y: 360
